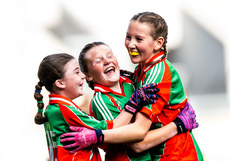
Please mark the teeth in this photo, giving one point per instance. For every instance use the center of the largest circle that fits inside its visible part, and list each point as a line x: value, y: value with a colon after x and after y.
x: 133, y: 53
x: 108, y: 69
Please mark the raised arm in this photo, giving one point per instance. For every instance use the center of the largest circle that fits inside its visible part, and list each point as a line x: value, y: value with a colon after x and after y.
x: 141, y: 97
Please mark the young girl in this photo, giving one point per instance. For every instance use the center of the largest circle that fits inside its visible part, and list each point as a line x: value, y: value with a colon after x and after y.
x: 111, y: 92
x: 62, y: 77
x: 145, y: 41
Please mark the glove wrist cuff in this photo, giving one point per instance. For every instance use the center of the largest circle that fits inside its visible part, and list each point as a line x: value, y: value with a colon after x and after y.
x: 100, y: 137
x: 180, y: 125
x: 129, y: 108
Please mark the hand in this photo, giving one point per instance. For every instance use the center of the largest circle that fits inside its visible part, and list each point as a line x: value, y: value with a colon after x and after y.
x: 186, y: 120
x: 141, y: 97
x: 81, y: 138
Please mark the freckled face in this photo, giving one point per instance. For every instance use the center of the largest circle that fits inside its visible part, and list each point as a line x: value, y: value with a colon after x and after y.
x: 102, y: 66
x: 138, y: 40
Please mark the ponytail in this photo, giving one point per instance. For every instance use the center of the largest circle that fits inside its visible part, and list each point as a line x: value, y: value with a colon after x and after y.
x: 39, y: 118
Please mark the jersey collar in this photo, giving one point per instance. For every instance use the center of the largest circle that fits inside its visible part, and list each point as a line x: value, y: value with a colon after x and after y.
x: 53, y: 99
x: 104, y: 89
x: 156, y: 58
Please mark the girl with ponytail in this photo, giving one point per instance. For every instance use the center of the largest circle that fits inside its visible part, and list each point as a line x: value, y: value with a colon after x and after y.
x: 60, y: 74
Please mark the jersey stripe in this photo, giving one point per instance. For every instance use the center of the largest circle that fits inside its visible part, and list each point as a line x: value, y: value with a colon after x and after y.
x: 154, y: 73
x: 102, y: 107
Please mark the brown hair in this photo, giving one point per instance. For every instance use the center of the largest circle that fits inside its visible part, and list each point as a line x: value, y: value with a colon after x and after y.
x: 158, y: 24
x: 50, y: 69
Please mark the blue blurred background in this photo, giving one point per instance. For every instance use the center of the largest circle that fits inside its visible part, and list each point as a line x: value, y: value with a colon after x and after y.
x: 198, y: 45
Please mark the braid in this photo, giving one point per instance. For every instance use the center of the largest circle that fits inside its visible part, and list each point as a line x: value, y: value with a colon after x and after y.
x: 127, y: 74
x: 39, y: 118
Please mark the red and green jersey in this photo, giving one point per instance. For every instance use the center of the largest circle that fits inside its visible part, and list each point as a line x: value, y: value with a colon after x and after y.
x: 62, y: 113
x: 172, y: 99
x: 172, y: 95
x: 107, y: 105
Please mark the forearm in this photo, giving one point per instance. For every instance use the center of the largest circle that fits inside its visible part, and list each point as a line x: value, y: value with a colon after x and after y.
x: 154, y: 137
x: 122, y: 119
x: 129, y: 133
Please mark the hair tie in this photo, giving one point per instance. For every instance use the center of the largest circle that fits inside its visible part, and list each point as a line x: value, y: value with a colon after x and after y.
x: 38, y: 91
x: 40, y: 110
x: 40, y: 101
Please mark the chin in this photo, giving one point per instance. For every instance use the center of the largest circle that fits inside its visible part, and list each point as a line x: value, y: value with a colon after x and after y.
x: 80, y: 93
x: 134, y: 61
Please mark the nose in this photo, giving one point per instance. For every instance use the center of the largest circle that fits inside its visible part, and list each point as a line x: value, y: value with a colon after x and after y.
x: 107, y: 61
x: 82, y: 75
x: 131, y: 44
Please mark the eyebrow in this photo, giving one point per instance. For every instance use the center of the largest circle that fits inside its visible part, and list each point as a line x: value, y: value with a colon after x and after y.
x: 77, y: 68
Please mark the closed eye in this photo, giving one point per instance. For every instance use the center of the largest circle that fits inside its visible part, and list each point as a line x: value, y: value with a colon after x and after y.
x: 96, y: 61
x: 139, y: 39
x: 128, y: 37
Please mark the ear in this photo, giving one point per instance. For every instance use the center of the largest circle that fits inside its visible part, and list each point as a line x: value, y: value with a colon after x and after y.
x: 159, y: 43
x: 88, y: 77
x: 59, y: 83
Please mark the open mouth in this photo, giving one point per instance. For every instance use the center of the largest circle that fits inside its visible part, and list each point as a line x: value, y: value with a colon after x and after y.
x: 133, y: 53
x: 110, y: 69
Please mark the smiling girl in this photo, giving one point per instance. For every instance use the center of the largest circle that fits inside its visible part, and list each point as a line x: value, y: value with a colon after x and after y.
x: 146, y: 40
x: 112, y: 91
x: 60, y: 74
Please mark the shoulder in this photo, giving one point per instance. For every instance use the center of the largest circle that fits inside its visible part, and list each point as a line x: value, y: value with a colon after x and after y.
x: 100, y: 99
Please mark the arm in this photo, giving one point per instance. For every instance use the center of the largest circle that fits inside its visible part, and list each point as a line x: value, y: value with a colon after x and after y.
x: 155, y: 137
x: 143, y: 96
x: 129, y: 133
x: 82, y: 137
x: 136, y: 131
x: 122, y: 119
x: 185, y: 121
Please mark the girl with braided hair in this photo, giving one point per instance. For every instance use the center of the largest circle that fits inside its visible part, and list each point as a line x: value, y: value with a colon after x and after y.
x: 146, y: 40
x: 112, y: 88
x: 60, y: 74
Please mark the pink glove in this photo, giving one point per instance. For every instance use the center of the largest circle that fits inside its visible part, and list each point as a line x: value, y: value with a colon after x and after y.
x: 81, y: 138
x: 186, y: 120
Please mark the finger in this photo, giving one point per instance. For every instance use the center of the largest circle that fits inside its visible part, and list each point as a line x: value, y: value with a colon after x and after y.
x: 153, y: 96
x: 62, y: 140
x: 71, y: 146
x: 150, y: 101
x: 70, y: 134
x: 75, y: 128
x: 148, y: 86
x: 152, y: 90
x: 195, y: 125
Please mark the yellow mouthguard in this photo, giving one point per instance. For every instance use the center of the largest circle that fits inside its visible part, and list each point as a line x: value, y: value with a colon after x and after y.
x: 133, y: 53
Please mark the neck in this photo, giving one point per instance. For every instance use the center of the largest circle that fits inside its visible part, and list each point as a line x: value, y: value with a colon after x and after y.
x: 62, y: 93
x: 116, y: 87
x: 157, y: 59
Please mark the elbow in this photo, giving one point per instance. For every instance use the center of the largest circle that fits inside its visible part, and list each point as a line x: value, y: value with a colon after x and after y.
x: 137, y: 149
x: 141, y: 135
